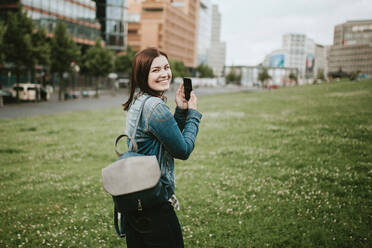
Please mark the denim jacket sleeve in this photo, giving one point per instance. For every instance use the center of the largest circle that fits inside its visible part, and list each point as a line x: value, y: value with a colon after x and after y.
x: 180, y: 117
x: 163, y: 125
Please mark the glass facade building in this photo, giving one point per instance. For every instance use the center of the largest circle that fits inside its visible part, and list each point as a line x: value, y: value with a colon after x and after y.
x: 78, y: 15
x: 110, y: 14
x: 86, y: 20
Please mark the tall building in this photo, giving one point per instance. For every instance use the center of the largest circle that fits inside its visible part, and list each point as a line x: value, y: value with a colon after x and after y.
x: 352, y: 47
x: 86, y: 20
x: 110, y: 14
x: 78, y: 15
x: 217, y: 51
x: 321, y: 65
x: 301, y: 53
x: 170, y: 25
x: 133, y: 19
x: 204, y: 31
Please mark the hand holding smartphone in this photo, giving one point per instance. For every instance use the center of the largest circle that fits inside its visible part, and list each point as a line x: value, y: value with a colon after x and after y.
x: 187, y: 85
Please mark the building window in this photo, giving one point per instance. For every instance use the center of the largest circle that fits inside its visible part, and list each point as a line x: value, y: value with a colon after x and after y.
x: 153, y: 9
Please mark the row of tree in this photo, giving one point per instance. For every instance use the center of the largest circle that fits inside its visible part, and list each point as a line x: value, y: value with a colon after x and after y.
x: 342, y: 74
x: 23, y: 46
x: 263, y: 76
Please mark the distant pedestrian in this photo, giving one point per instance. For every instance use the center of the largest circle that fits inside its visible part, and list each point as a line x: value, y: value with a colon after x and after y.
x: 162, y: 134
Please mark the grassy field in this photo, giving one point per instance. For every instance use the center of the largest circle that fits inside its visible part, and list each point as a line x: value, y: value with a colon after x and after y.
x: 284, y: 168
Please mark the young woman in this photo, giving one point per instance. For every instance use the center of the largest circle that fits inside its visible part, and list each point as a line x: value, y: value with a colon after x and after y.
x: 162, y: 134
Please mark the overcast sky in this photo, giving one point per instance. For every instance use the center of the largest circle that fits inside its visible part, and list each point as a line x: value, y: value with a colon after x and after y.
x: 252, y: 29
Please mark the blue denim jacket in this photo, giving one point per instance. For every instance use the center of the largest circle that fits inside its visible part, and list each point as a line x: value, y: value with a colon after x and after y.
x: 162, y: 134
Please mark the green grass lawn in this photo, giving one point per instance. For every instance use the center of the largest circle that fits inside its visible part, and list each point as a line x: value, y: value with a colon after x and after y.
x: 283, y: 168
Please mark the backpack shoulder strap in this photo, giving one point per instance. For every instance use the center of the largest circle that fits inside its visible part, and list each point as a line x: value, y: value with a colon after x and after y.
x: 133, y: 144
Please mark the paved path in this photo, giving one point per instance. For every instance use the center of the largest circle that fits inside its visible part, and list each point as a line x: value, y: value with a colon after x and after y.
x: 105, y: 100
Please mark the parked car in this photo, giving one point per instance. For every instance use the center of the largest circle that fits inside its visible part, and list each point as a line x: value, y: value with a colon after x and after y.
x: 5, y: 93
x: 5, y: 97
x: 30, y: 92
x: 122, y: 82
x: 273, y: 86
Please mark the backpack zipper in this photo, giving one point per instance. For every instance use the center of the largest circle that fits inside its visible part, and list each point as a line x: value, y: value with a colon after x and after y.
x: 139, y: 205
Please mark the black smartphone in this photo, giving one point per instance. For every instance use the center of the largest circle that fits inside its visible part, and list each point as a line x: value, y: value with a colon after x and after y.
x: 188, y: 87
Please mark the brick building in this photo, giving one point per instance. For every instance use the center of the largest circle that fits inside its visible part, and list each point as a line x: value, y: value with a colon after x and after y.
x: 352, y: 48
x: 170, y: 25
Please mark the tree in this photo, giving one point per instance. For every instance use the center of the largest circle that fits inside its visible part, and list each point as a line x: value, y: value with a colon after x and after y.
x: 292, y: 77
x: 2, y: 52
x: 353, y: 75
x: 23, y: 45
x: 232, y: 77
x: 40, y: 51
x: 123, y: 63
x: 205, y: 71
x: 320, y: 75
x: 263, y: 76
x: 18, y: 47
x: 338, y: 74
x: 64, y: 51
x: 98, y: 61
x: 179, y: 69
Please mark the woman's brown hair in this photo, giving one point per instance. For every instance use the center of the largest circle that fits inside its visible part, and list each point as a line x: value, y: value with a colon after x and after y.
x: 140, y: 72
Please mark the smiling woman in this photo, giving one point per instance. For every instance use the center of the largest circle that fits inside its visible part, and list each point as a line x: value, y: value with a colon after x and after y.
x: 154, y: 130
x: 147, y: 63
x: 160, y: 74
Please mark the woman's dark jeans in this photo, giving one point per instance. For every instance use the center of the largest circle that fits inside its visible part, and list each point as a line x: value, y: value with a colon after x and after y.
x: 157, y: 227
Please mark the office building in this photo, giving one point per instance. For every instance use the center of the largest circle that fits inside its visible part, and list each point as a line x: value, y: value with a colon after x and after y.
x: 351, y: 51
x: 204, y: 31
x: 78, y: 15
x: 321, y: 65
x: 217, y: 51
x: 86, y: 20
x: 133, y: 19
x: 111, y: 14
x: 301, y: 52
x: 170, y: 25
